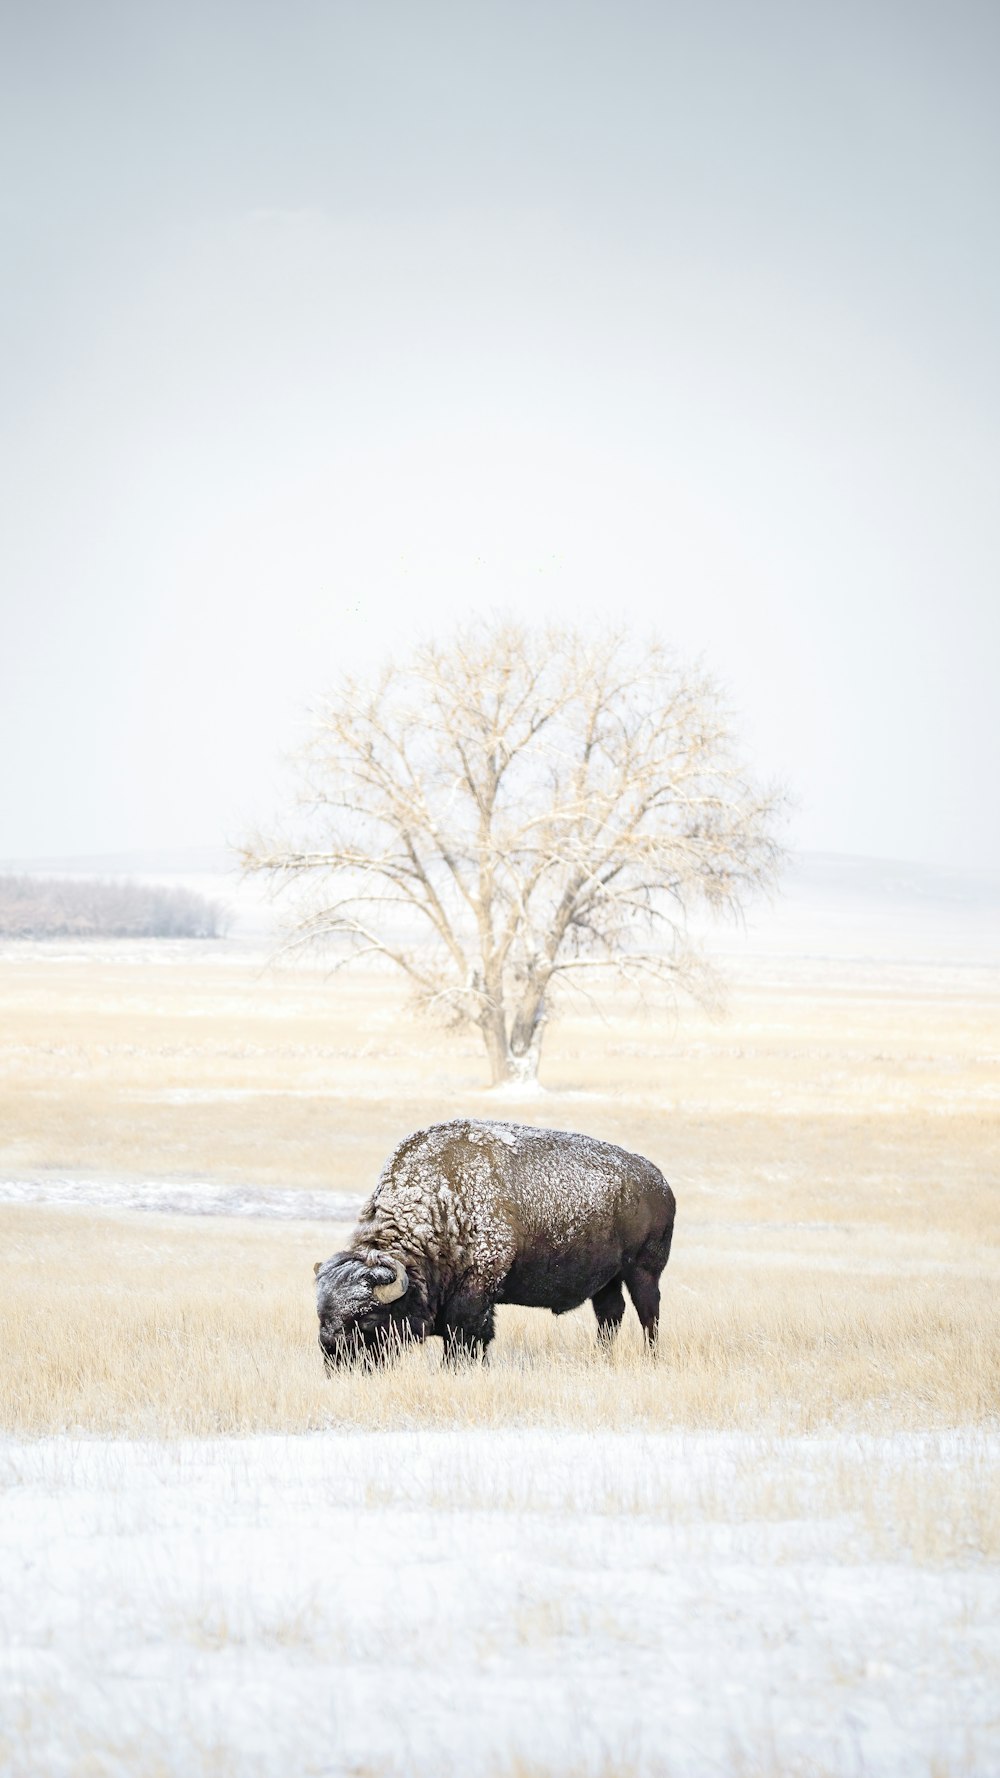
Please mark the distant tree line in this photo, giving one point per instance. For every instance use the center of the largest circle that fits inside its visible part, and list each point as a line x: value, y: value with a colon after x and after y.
x: 64, y: 907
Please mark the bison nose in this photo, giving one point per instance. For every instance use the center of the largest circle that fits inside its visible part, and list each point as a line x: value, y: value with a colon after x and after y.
x: 336, y: 1353
x: 331, y: 1340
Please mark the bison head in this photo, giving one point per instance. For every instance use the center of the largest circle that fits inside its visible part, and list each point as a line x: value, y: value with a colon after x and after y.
x: 361, y: 1304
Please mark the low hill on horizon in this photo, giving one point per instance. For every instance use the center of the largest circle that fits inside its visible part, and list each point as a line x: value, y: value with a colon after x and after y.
x: 828, y: 903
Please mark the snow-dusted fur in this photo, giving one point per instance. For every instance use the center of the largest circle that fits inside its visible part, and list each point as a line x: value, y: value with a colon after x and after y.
x: 480, y: 1213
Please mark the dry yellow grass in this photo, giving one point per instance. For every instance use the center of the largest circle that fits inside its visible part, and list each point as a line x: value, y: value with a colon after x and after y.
x: 131, y: 1323
x: 834, y: 1146
x: 844, y: 1093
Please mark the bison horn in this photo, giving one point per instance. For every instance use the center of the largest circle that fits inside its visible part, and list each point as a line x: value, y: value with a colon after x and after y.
x: 397, y: 1287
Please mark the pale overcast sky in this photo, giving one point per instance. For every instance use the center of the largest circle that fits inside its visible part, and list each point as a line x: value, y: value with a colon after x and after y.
x: 325, y: 324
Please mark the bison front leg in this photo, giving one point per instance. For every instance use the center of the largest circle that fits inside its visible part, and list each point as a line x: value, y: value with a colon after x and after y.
x: 467, y: 1333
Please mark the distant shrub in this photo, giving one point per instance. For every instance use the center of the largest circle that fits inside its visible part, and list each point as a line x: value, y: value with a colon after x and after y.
x: 65, y: 907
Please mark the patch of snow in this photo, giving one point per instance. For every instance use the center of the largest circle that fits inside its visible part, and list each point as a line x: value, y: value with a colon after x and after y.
x: 197, y: 1198
x: 424, y: 1602
x: 515, y: 1089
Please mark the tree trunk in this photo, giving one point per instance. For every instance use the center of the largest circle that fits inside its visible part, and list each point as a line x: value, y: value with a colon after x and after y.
x: 493, y: 1026
x: 515, y: 1058
x: 527, y: 1031
x: 506, y: 1067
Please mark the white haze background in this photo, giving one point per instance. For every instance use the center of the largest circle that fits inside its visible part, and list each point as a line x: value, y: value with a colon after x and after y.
x: 325, y: 325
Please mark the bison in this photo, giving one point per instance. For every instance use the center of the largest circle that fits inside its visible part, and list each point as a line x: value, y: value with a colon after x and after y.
x: 469, y: 1214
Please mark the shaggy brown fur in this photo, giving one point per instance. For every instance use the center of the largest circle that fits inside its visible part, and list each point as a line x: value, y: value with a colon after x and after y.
x: 483, y: 1213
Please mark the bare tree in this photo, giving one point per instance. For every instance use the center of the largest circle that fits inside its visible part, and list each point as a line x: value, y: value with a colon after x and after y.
x: 516, y: 812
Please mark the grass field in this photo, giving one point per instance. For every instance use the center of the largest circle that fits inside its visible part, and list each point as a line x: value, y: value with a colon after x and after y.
x: 772, y: 1553
x: 834, y: 1144
x: 131, y: 1323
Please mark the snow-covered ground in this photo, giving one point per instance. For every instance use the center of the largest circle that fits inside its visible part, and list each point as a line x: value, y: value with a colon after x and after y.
x: 434, y: 1603
x: 194, y: 1198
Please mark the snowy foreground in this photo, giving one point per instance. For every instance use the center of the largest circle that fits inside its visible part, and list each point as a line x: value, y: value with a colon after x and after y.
x: 430, y: 1603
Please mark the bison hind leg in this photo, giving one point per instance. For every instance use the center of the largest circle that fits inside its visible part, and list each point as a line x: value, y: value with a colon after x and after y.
x: 609, y: 1307
x: 644, y: 1289
x: 643, y: 1280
